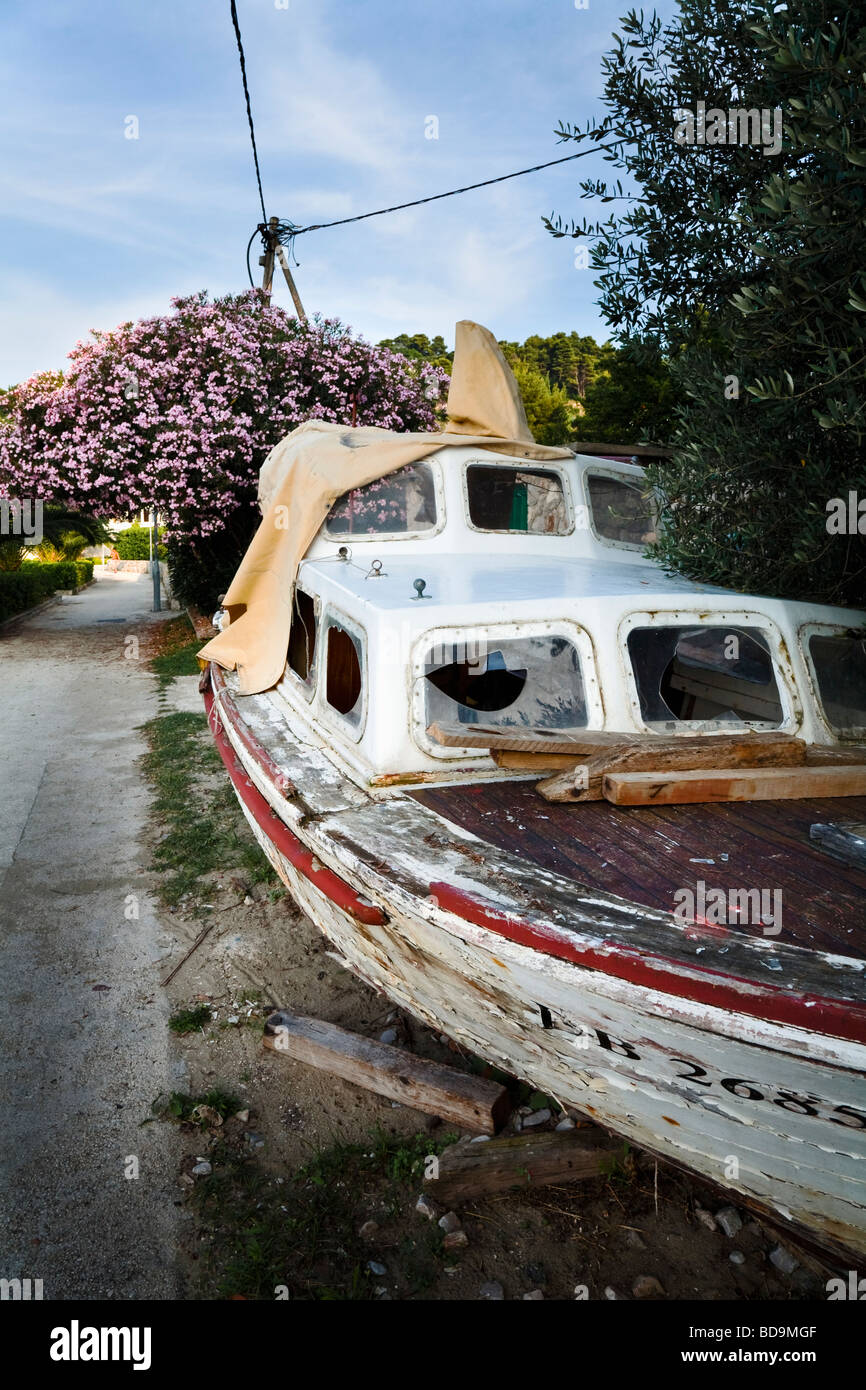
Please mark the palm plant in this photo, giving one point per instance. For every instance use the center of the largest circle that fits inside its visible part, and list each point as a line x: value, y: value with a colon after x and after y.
x: 65, y: 534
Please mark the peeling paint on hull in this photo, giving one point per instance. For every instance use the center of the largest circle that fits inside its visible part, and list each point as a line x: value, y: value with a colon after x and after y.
x: 773, y: 1113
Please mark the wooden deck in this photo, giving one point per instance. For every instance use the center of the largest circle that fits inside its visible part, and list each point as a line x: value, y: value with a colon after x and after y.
x: 645, y: 854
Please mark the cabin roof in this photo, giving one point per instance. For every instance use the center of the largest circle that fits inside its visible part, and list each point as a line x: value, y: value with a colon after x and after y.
x: 468, y: 580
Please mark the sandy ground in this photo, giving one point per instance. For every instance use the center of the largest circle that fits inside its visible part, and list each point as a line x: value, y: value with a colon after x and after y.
x: 84, y: 1044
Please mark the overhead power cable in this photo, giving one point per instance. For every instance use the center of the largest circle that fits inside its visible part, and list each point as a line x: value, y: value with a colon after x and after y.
x: 249, y: 108
x: 434, y: 197
x: 287, y: 231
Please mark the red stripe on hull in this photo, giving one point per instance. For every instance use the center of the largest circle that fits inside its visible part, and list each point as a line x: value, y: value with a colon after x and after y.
x: 281, y: 837
x: 260, y: 756
x: 812, y: 1012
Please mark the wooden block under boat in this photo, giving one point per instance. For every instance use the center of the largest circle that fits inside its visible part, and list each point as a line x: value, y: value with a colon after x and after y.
x: 583, y: 781
x: 758, y: 784
x: 530, y: 1160
x: 469, y: 1101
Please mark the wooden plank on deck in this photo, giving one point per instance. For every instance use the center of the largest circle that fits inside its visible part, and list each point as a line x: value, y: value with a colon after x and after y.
x: 759, y: 784
x: 469, y: 1101
x: 525, y: 739
x: 532, y: 762
x: 584, y: 781
x: 844, y: 754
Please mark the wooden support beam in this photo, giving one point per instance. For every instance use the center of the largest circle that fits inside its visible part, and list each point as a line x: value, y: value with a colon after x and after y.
x: 826, y: 754
x: 759, y: 784
x: 583, y: 782
x: 532, y: 762
x: 530, y: 740
x: 527, y: 1161
x: 469, y: 1101
x: 290, y: 281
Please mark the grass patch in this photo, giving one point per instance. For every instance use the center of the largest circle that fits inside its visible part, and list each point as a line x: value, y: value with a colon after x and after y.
x: 302, y: 1232
x: 190, y: 1020
x: 204, y: 827
x: 193, y: 1110
x: 620, y: 1167
x: 179, y: 662
x: 177, y: 655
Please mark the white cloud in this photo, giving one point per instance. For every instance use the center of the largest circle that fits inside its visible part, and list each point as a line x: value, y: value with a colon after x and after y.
x: 330, y: 103
x: 40, y: 324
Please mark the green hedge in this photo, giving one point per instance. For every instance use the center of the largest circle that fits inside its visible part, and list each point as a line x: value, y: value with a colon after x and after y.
x: 35, y: 582
x: 134, y: 543
x: 24, y: 588
x: 67, y: 574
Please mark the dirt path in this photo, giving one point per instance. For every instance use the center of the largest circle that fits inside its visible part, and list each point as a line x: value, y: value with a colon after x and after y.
x: 84, y: 1043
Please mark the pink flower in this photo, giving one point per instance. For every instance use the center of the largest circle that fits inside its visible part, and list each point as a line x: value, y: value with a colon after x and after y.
x: 243, y: 374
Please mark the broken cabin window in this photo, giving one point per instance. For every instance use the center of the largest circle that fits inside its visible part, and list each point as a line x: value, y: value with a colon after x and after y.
x: 709, y: 676
x: 621, y: 511
x: 516, y: 499
x: 403, y: 502
x: 302, y: 639
x: 343, y: 684
x: 533, y: 682
x: 840, y: 669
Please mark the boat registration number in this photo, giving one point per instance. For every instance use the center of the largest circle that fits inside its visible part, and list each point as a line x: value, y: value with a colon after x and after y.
x: 800, y: 1103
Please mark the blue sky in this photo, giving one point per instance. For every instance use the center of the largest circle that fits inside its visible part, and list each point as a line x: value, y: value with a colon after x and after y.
x: 96, y: 228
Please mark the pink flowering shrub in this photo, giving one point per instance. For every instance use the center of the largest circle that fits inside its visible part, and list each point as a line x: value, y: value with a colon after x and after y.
x: 178, y: 412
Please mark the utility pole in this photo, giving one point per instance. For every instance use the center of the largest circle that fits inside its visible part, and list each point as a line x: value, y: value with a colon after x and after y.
x: 293, y: 289
x: 154, y: 559
x: 267, y: 259
x: 275, y: 249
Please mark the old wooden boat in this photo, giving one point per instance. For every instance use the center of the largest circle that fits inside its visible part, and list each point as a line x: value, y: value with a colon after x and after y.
x: 690, y: 970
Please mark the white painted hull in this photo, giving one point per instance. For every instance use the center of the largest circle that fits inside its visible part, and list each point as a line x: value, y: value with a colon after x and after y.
x: 657, y: 1079
x: 771, y: 1111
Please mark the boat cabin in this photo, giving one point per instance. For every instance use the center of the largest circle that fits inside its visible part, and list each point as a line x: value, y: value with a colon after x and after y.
x: 477, y: 589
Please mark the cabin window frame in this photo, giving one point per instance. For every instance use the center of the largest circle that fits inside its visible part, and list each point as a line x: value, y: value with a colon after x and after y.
x: 308, y: 688
x: 518, y: 465
x: 805, y: 633
x: 593, y: 471
x: 444, y: 635
x: 789, y: 695
x: 335, y: 617
x: 352, y: 538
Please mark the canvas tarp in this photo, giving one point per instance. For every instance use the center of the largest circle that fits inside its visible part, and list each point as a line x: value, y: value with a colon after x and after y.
x: 307, y: 471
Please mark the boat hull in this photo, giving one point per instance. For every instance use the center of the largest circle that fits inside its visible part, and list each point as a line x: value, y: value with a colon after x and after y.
x: 767, y: 1111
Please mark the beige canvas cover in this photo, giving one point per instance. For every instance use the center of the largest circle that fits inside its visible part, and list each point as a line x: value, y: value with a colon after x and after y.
x: 307, y: 471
